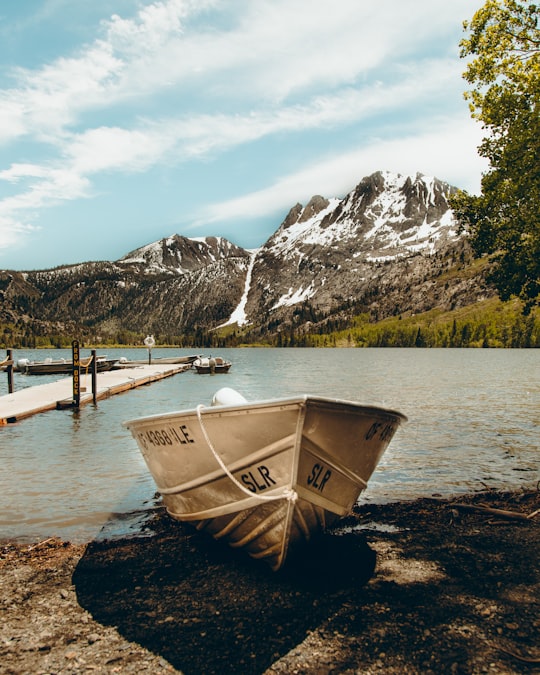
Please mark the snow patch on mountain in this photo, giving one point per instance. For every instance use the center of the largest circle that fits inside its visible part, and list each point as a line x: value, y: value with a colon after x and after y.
x: 239, y: 315
x: 306, y: 231
x: 293, y: 297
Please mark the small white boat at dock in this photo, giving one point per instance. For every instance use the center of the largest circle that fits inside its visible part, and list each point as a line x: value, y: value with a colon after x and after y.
x: 210, y: 365
x: 264, y: 476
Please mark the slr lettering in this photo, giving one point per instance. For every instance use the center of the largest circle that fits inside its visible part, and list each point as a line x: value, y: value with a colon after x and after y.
x: 258, y: 480
x: 317, y: 479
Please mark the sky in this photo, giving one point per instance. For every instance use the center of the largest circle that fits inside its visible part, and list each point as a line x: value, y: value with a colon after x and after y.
x: 126, y: 121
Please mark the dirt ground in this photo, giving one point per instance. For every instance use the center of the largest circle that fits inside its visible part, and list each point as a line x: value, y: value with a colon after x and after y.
x: 417, y: 587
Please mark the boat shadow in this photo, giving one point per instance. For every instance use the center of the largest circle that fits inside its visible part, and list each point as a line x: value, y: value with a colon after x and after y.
x: 206, y: 608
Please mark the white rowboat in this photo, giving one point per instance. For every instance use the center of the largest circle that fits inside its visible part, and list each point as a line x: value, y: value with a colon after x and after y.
x: 264, y: 476
x: 211, y: 365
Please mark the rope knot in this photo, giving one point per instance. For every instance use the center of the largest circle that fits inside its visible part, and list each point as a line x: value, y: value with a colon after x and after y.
x: 290, y: 495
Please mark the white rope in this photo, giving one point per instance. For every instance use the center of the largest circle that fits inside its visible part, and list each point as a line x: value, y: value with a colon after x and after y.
x: 288, y: 494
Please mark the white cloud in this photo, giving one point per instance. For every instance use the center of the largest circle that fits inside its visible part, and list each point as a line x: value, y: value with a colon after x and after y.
x: 284, y: 47
x: 12, y: 231
x: 440, y: 151
x: 117, y: 148
x: 114, y: 149
x: 234, y: 73
x: 276, y: 49
x: 48, y: 99
x: 50, y: 187
x: 12, y: 123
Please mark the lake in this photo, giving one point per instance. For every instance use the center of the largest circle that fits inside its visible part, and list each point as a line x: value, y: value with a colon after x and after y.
x: 474, y: 419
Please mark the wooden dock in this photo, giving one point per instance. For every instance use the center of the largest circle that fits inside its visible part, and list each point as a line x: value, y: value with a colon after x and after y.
x: 42, y: 397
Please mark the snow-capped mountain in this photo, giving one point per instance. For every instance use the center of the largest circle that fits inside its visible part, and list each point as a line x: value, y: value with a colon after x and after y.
x: 386, y: 214
x: 181, y: 255
x: 385, y: 248
x: 336, y: 251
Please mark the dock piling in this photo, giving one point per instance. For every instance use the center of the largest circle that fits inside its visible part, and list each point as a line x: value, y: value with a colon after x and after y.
x: 94, y: 376
x: 76, y: 373
x: 9, y: 370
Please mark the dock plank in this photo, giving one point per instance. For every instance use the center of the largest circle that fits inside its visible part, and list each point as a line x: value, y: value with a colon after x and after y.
x: 43, y: 397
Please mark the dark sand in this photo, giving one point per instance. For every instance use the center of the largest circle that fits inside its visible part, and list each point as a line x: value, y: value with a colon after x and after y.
x: 428, y: 588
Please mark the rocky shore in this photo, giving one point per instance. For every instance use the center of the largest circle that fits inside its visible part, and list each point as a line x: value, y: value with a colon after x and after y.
x: 431, y: 586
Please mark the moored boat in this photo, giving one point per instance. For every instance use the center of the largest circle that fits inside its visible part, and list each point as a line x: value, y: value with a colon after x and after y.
x: 209, y: 365
x: 5, y: 363
x: 264, y: 476
x: 62, y: 366
x: 159, y: 360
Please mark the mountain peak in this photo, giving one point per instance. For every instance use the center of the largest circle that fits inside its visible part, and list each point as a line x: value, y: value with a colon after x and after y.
x: 177, y: 254
x: 386, y: 214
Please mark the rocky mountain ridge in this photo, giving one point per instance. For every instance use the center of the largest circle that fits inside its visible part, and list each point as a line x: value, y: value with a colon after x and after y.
x: 181, y: 255
x: 389, y: 247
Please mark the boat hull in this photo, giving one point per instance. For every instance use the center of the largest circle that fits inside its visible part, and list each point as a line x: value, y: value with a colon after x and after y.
x: 211, y: 370
x: 159, y: 360
x: 61, y: 367
x: 265, y: 476
x: 211, y: 366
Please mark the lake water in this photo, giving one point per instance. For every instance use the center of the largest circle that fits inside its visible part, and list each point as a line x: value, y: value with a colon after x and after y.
x: 474, y: 421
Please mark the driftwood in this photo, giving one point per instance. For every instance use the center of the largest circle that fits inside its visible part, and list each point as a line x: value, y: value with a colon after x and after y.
x: 519, y: 657
x: 40, y: 543
x: 501, y: 513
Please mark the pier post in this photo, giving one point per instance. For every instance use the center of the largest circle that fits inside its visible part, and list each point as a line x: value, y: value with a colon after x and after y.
x: 9, y: 370
x: 76, y: 373
x: 149, y: 342
x: 94, y: 376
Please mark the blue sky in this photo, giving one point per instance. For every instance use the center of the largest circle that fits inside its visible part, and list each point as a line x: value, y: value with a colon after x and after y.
x: 125, y: 121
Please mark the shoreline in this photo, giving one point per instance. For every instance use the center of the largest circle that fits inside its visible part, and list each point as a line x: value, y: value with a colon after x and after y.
x: 423, y: 586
